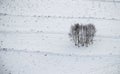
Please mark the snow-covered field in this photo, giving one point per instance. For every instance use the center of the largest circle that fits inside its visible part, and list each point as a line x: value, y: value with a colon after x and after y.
x: 26, y: 62
x: 34, y: 37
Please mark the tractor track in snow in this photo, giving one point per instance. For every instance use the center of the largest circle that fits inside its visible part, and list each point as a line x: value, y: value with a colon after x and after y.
x: 45, y: 53
x: 60, y: 17
x: 54, y: 33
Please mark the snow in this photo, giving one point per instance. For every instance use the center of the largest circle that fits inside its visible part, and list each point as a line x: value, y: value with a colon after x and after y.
x: 49, y: 43
x: 45, y: 63
x: 34, y: 37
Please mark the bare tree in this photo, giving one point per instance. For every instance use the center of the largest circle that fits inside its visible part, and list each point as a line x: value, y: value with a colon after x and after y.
x: 82, y: 34
x: 74, y: 33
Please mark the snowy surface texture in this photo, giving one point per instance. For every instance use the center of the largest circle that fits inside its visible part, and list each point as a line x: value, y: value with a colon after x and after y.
x: 34, y: 37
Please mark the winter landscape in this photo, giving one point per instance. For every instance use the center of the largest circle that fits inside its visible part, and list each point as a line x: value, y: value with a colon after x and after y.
x: 34, y: 37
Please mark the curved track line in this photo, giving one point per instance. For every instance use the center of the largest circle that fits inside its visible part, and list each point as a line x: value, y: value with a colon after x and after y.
x: 56, y: 54
x: 60, y: 17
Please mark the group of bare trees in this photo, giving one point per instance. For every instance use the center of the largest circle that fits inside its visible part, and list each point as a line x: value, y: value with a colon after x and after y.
x: 82, y: 35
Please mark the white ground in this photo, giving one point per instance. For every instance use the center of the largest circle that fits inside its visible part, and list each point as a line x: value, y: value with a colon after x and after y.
x: 34, y: 37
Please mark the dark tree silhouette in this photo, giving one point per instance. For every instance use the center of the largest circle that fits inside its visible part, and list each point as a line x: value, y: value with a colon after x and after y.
x: 82, y: 34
